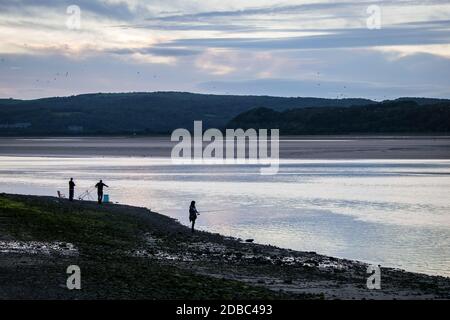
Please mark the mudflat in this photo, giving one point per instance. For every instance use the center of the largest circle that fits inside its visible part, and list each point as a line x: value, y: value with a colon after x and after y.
x: 291, y: 147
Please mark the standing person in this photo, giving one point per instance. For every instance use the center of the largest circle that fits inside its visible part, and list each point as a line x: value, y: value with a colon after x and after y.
x: 71, y: 189
x: 193, y: 213
x: 99, y: 187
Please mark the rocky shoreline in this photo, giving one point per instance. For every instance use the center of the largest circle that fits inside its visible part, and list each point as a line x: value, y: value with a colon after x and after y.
x: 127, y: 252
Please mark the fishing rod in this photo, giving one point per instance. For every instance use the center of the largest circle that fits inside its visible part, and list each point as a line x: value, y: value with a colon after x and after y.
x: 87, y: 194
x: 208, y: 211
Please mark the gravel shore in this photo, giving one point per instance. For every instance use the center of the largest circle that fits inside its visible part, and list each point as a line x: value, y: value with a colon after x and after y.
x: 127, y: 252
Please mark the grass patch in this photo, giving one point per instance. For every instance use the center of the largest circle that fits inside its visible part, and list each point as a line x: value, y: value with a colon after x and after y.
x: 103, y: 238
x: 93, y: 232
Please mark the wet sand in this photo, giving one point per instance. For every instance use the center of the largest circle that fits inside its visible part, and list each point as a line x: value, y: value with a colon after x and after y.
x: 292, y: 147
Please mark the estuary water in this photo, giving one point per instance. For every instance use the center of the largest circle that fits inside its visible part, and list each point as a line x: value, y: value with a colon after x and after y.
x: 387, y: 206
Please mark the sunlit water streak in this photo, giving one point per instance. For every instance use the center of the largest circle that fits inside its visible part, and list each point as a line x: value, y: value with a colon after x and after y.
x: 390, y: 212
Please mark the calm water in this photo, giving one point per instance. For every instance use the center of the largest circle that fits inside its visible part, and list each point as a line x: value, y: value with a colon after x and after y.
x: 390, y: 212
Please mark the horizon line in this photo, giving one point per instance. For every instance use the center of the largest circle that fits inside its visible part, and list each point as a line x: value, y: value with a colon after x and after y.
x: 217, y: 94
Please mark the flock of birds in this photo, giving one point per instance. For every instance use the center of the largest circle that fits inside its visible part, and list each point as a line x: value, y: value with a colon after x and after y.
x: 66, y: 75
x: 58, y: 75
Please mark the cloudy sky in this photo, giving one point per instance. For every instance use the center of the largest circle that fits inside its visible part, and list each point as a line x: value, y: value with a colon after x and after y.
x: 286, y: 48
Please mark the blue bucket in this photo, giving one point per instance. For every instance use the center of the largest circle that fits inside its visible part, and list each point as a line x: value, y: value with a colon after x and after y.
x: 106, y: 198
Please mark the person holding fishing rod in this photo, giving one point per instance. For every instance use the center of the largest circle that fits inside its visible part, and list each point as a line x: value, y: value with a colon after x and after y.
x: 99, y: 187
x: 193, y: 213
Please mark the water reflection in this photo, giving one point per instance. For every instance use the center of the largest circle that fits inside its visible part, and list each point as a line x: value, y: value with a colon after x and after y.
x: 391, y: 212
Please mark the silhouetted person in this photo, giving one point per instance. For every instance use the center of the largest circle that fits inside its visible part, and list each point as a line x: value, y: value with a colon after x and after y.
x: 71, y: 189
x: 193, y: 213
x: 99, y: 187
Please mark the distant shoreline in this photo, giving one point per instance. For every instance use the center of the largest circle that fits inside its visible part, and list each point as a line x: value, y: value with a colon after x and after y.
x: 324, y: 147
x: 392, y: 135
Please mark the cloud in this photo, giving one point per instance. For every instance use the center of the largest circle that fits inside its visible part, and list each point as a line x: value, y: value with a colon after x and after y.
x: 251, y: 47
x: 121, y: 10
x: 348, y: 73
x: 412, y: 34
x: 157, y: 51
x: 292, y: 9
x: 192, y: 27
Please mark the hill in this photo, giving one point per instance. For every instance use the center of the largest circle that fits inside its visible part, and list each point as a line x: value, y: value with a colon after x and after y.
x: 153, y: 112
x: 400, y: 116
x: 141, y: 113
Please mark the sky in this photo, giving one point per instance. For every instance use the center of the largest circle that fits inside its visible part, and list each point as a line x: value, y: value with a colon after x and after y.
x: 379, y: 49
